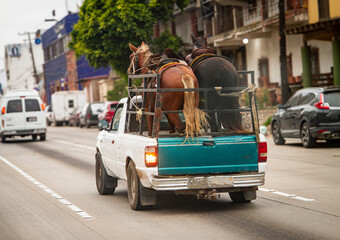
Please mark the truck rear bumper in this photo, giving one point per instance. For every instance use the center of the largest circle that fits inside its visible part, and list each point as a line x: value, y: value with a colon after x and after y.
x: 23, y: 132
x: 174, y: 183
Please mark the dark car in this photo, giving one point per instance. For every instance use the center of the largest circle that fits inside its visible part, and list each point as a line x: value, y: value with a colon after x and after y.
x: 310, y: 114
x: 74, y: 117
x: 89, y: 114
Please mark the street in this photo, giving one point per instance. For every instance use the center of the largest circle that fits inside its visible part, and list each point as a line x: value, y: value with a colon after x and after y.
x: 48, y: 191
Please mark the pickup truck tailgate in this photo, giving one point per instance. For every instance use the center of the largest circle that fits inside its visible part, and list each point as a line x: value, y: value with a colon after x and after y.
x: 204, y: 155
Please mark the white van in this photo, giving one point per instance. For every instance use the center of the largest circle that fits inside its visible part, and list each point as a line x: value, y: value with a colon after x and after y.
x: 22, y: 114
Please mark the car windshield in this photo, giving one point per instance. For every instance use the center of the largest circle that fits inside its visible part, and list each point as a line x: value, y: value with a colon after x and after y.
x: 333, y: 99
x: 95, y: 107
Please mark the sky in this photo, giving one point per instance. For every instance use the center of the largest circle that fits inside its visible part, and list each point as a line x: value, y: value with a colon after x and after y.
x: 19, y: 16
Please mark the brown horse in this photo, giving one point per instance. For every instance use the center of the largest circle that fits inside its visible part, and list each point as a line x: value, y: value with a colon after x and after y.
x: 174, y: 76
x: 216, y: 71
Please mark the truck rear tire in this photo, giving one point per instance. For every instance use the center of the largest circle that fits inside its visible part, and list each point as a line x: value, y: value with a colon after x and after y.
x: 34, y: 137
x: 133, y: 187
x: 42, y: 137
x: 243, y: 196
x: 105, y: 183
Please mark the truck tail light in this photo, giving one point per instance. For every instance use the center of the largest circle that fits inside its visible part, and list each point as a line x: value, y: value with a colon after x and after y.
x: 88, y: 115
x: 262, y: 149
x: 42, y: 107
x: 321, y: 104
x: 3, y: 111
x: 151, y: 156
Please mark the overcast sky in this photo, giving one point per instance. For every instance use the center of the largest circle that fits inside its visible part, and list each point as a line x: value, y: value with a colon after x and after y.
x: 18, y: 16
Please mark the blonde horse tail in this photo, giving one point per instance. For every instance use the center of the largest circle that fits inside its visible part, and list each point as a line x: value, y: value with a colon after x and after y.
x: 195, y: 119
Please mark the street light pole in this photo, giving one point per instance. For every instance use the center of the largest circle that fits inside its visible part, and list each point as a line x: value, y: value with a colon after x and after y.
x: 35, y: 75
x: 283, y: 53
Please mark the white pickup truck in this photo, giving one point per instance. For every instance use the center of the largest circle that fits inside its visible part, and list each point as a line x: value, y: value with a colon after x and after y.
x: 204, y: 166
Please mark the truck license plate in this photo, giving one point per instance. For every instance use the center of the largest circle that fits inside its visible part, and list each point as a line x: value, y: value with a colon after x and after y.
x: 210, y: 182
x: 31, y: 119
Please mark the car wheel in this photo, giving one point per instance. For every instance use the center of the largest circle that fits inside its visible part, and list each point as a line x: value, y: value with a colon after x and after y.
x: 105, y: 183
x: 48, y: 123
x: 42, y: 137
x: 242, y: 197
x: 307, y: 140
x: 277, y: 137
x: 3, y: 139
x: 133, y: 187
x: 34, y: 137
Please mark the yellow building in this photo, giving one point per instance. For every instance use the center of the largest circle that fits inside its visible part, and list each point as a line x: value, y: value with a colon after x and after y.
x: 324, y: 25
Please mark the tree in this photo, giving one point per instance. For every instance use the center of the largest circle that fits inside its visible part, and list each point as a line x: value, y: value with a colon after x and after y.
x: 166, y: 40
x: 106, y: 27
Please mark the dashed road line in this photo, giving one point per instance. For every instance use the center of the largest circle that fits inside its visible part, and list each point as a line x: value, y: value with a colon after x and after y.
x: 76, y: 144
x: 73, y: 207
x: 293, y: 196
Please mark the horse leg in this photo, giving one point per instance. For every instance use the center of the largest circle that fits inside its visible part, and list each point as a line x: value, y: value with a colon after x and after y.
x: 171, y: 125
x: 177, y: 122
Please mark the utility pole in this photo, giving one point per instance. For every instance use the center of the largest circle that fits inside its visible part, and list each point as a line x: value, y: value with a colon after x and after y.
x: 35, y: 75
x: 283, y: 53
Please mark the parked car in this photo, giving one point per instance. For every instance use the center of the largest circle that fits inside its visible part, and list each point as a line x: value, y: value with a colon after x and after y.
x: 49, y: 115
x: 74, y: 117
x: 22, y: 114
x: 310, y: 114
x: 107, y: 112
x: 89, y: 114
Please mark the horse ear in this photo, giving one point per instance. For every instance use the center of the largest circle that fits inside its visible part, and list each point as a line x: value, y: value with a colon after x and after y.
x: 192, y: 38
x: 132, y: 48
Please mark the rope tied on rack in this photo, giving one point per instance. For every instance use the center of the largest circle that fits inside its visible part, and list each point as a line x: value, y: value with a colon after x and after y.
x: 250, y: 88
x: 139, y: 111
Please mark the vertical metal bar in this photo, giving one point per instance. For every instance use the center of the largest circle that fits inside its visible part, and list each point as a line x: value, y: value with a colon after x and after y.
x: 128, y: 115
x: 158, y: 105
x: 143, y: 108
x: 254, y: 116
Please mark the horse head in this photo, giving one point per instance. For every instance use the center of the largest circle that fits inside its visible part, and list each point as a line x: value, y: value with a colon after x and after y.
x: 139, y: 58
x: 199, y: 42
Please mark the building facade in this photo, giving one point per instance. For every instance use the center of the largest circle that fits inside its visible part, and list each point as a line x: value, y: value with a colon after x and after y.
x: 19, y: 67
x: 62, y: 70
x: 247, y: 32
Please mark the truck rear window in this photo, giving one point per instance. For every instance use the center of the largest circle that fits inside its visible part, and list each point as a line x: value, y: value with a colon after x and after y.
x: 32, y: 105
x: 14, y: 106
x: 333, y: 99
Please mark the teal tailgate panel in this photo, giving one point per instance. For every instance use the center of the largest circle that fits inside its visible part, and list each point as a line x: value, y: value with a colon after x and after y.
x: 220, y: 155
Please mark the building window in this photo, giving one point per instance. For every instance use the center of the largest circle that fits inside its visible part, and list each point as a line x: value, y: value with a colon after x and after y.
x: 323, y: 9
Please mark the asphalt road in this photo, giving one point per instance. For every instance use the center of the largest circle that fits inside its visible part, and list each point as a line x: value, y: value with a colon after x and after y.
x: 47, y: 191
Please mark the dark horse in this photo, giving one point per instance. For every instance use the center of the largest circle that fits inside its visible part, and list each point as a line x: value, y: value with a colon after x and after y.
x: 216, y: 71
x: 175, y: 75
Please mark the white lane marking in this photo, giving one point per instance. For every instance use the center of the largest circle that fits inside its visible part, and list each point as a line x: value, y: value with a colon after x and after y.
x: 287, y: 195
x: 76, y: 144
x: 73, y: 207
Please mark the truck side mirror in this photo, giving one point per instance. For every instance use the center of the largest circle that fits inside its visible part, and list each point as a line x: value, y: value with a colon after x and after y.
x: 103, y: 124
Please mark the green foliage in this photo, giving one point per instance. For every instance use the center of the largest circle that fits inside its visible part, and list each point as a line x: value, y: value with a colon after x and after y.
x: 119, y: 91
x: 106, y: 27
x: 268, y: 121
x: 263, y: 98
x: 166, y: 40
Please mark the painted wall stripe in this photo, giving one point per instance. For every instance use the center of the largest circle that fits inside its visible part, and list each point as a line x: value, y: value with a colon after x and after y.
x: 287, y: 195
x: 73, y: 207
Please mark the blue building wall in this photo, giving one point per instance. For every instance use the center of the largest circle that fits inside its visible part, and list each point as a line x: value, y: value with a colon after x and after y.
x: 56, y: 68
x: 86, y: 71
